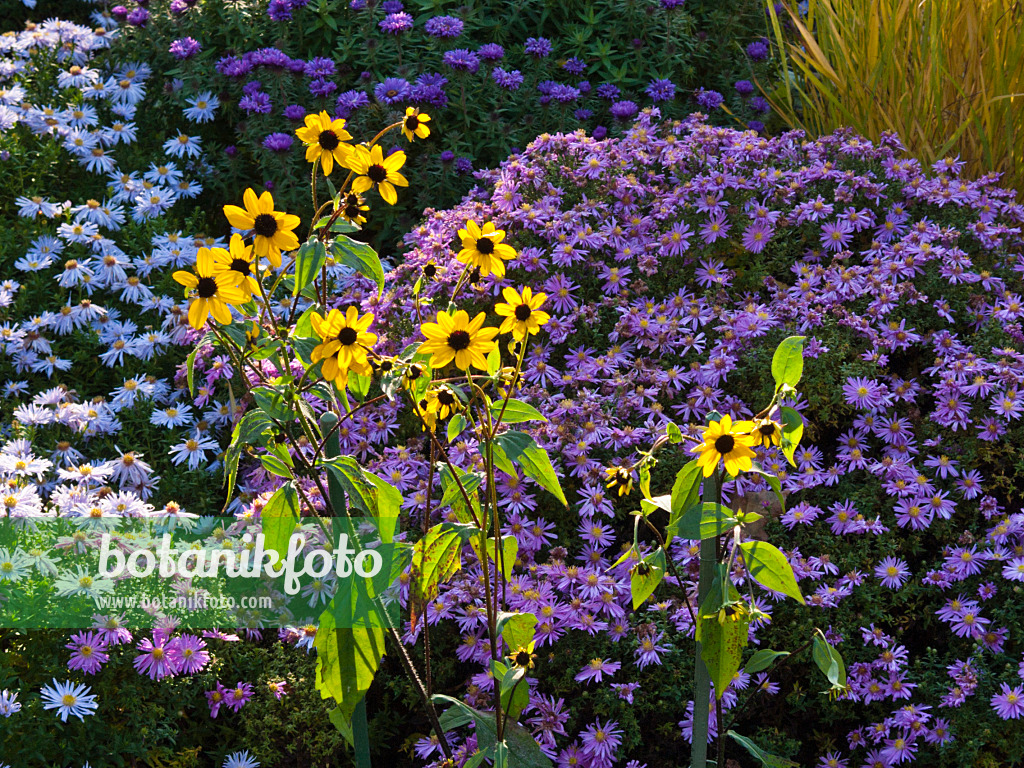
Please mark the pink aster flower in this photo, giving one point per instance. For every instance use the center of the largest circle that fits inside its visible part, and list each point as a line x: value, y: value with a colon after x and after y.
x: 239, y: 696
x: 154, y: 660
x: 1009, y: 702
x: 187, y: 654
x: 596, y: 670
x: 215, y: 698
x: 88, y: 652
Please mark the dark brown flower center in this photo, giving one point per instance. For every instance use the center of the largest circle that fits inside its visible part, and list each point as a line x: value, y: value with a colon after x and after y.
x: 377, y: 173
x: 446, y: 398
x: 412, y: 122
x: 725, y: 444
x: 523, y: 312
x: 265, y: 225
x: 767, y: 429
x: 485, y: 245
x: 348, y: 336
x: 240, y: 265
x: 328, y: 140
x: 458, y: 340
x: 522, y: 659
x: 207, y: 287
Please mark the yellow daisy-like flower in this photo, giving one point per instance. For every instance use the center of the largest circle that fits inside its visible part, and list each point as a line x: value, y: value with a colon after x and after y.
x: 352, y: 208
x: 458, y: 338
x: 620, y: 479
x: 767, y: 432
x: 345, y: 343
x: 325, y: 139
x: 272, y: 229
x: 214, y: 291
x: 414, y: 124
x: 521, y: 312
x: 441, y: 401
x: 238, y: 262
x: 483, y: 249
x: 373, y: 169
x: 725, y: 441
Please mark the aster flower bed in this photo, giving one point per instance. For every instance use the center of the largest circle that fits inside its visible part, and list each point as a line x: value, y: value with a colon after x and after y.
x: 673, y: 260
x: 494, y: 80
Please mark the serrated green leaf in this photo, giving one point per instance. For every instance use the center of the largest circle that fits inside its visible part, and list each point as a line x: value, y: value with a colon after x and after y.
x: 309, y: 260
x: 534, y: 460
x: 360, y: 257
x: 646, y: 576
x: 721, y: 648
x: 347, y: 661
x: 279, y: 518
x: 705, y: 520
x: 435, y: 559
x: 516, y: 412
x: 516, y: 629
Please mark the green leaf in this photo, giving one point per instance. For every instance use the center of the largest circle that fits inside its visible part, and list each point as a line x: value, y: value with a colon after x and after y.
x: 773, y: 483
x: 673, y: 432
x: 456, y: 424
x: 516, y: 629
x: 509, y: 552
x: 516, y: 412
x: 721, y: 648
x: 435, y: 559
x: 279, y: 518
x: 686, y: 489
x: 347, y: 661
x: 493, y: 361
x: 534, y: 460
x: 523, y: 750
x: 788, y: 362
x: 275, y: 466
x: 829, y: 661
x: 762, y: 660
x: 767, y: 759
x: 792, y: 432
x: 337, y: 718
x: 309, y: 260
x: 646, y: 575
x: 703, y: 521
x: 389, y: 506
x: 347, y: 471
x: 769, y: 567
x: 359, y: 385
x: 273, y: 403
x: 360, y: 257
x: 190, y: 361
x: 515, y: 693
x: 453, y: 494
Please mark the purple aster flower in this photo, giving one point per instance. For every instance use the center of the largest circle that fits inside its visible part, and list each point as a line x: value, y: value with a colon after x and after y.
x: 760, y: 104
x: 279, y: 10
x: 321, y: 87
x: 185, y: 48
x: 596, y: 670
x: 510, y: 81
x: 444, y: 27
x: 119, y: 12
x: 491, y: 52
x: 258, y: 103
x: 600, y: 742
x: 178, y: 7
x: 744, y: 87
x: 758, y: 50
x: 608, y: 91
x: 138, y: 17
x: 349, y: 101
x: 396, y: 23
x: 661, y: 90
x: 836, y: 236
x: 624, y: 110
x: 463, y: 166
x: 575, y: 66
x: 294, y: 112
x: 670, y: 5
x: 757, y: 235
x: 319, y: 67
x: 893, y: 572
x: 583, y: 114
x: 600, y: 132
x: 188, y: 654
x: 710, y: 100
x: 393, y: 90
x: 461, y: 60
x: 756, y: 125
x: 237, y: 697
x: 278, y: 142
x: 447, y: 156
x: 538, y: 46
x: 88, y: 652
x: 392, y: 6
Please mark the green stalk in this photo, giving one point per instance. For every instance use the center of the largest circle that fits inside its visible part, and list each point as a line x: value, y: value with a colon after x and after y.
x: 360, y: 727
x: 701, y: 676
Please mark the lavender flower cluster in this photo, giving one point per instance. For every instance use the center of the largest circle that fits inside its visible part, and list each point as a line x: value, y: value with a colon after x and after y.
x: 672, y: 258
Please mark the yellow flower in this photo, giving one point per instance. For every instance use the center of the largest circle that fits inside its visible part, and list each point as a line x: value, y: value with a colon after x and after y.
x: 375, y: 169
x: 345, y: 343
x: 619, y: 478
x: 483, y: 248
x: 237, y: 261
x: 767, y: 432
x: 728, y: 442
x: 414, y: 124
x: 523, y: 657
x: 352, y: 208
x: 213, y: 291
x: 521, y: 312
x: 441, y: 401
x: 272, y: 229
x: 458, y: 338
x: 325, y: 140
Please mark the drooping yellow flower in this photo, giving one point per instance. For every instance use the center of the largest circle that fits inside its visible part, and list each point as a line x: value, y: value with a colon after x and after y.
x: 728, y: 442
x: 458, y: 338
x: 272, y: 229
x: 238, y: 261
x: 213, y: 292
x: 373, y: 169
x: 325, y: 139
x: 767, y: 432
x: 352, y: 208
x: 414, y: 124
x: 620, y: 479
x: 441, y: 401
x: 346, y: 341
x: 482, y: 248
x: 521, y: 312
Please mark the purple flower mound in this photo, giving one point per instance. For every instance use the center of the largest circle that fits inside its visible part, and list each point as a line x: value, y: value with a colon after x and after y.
x: 674, y: 259
x: 444, y: 27
x: 393, y: 90
x: 278, y: 142
x: 185, y: 48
